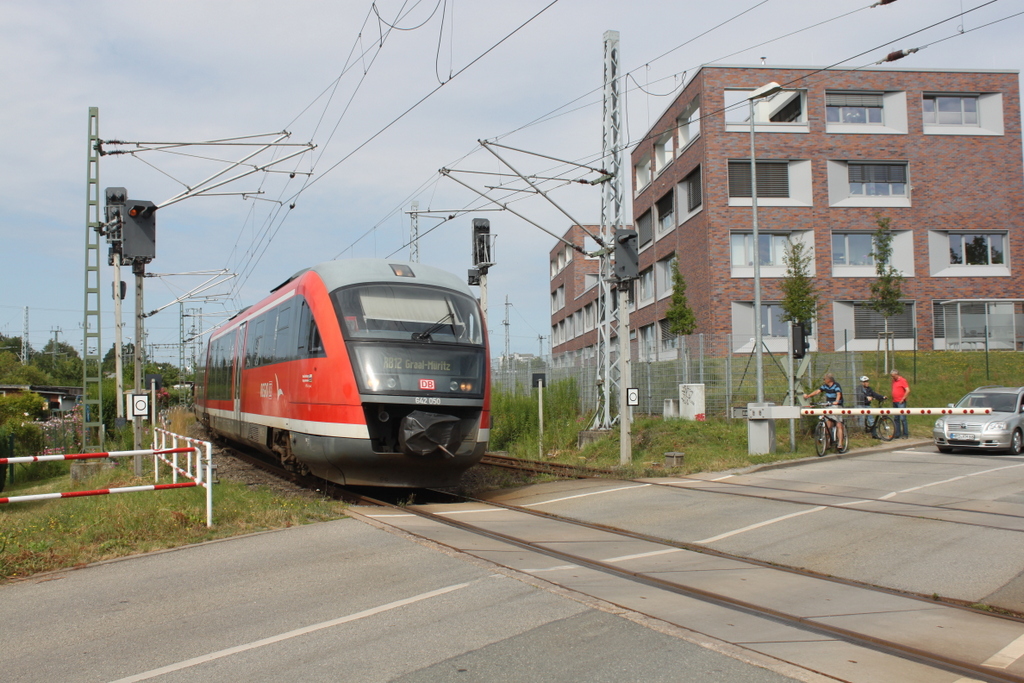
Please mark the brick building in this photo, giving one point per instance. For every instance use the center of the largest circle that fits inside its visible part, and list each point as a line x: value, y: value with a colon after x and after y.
x: 936, y: 152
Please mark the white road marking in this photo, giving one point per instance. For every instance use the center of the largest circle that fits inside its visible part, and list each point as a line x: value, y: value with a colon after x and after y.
x: 386, y: 515
x: 934, y: 483
x: 721, y: 478
x: 195, y: 661
x: 584, y: 495
x: 727, y: 534
x: 666, y: 551
x: 1007, y: 656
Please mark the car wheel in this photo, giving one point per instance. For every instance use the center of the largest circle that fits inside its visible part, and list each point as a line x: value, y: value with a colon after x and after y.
x: 944, y: 449
x: 1016, y: 443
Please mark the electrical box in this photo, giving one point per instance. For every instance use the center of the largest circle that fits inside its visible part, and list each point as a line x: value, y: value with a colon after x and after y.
x: 138, y: 239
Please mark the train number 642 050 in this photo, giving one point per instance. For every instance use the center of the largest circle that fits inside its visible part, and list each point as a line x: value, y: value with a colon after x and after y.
x: 428, y: 401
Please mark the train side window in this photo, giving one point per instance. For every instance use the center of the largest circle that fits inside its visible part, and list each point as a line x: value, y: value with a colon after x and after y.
x: 252, y: 352
x: 284, y: 347
x: 309, y: 342
x: 266, y: 351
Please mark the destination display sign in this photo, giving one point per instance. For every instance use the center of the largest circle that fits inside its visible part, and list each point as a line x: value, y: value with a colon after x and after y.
x: 400, y: 369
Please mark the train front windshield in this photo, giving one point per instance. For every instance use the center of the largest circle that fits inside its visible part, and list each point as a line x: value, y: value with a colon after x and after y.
x: 412, y: 339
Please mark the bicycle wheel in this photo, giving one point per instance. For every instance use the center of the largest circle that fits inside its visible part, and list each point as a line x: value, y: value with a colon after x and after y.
x: 821, y: 438
x: 845, y: 445
x: 884, y: 428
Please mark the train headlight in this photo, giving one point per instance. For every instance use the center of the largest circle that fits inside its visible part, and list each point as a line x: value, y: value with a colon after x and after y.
x: 373, y: 383
x: 466, y: 386
x: 454, y: 386
x: 392, y: 382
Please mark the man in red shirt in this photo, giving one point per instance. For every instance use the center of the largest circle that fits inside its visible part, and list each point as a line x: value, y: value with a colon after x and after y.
x: 900, y: 390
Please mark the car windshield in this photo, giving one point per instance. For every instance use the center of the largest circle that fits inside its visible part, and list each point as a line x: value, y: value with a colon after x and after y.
x: 999, y: 403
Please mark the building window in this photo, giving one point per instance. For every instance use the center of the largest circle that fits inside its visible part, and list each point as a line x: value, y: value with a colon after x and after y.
x: 951, y: 110
x: 664, y: 152
x: 772, y: 179
x: 643, y: 229
x: 663, y: 276
x: 870, y: 324
x: 772, y: 248
x: 643, y: 174
x: 666, y: 215
x: 588, y: 317
x: 853, y: 249
x: 853, y: 108
x: 772, y: 324
x: 976, y: 249
x: 590, y: 280
x: 689, y: 123
x: 787, y: 106
x: 668, y: 339
x: 645, y: 285
x: 690, y: 191
x: 648, y: 343
x: 558, y: 299
x: 877, y: 180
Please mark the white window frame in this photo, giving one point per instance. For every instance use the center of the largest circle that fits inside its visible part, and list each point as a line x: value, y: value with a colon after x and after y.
x: 666, y: 223
x: 688, y: 125
x: 663, y: 277
x: 938, y: 252
x: 645, y: 288
x: 894, y: 117
x: 664, y: 152
x: 642, y: 174
x: 902, y: 255
x: 844, y: 328
x: 743, y: 329
x: 990, y: 115
x: 683, y: 212
x: 806, y: 237
x: 839, y: 186
x: 800, y: 188
x: 737, y: 118
x: 558, y: 299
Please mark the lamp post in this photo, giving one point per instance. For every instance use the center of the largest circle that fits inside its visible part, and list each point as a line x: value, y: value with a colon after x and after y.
x: 761, y: 93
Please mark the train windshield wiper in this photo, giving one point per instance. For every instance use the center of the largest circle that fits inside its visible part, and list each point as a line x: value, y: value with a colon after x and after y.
x: 448, y: 319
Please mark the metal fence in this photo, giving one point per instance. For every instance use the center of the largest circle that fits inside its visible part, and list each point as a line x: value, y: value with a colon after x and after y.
x: 729, y: 378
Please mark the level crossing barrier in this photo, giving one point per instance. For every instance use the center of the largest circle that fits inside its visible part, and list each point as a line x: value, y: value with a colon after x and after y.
x: 895, y: 411
x: 199, y: 469
x: 197, y: 480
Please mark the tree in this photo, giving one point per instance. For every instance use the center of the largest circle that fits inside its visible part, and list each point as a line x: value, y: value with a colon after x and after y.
x: 887, y: 289
x: 61, y: 362
x: 13, y: 372
x: 681, y: 319
x: 799, y: 298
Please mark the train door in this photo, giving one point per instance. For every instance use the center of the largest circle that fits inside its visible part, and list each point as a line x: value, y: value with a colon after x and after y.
x: 236, y: 393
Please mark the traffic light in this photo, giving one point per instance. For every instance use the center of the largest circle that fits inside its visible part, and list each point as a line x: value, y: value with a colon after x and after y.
x: 627, y: 260
x: 482, y: 244
x: 801, y: 340
x: 139, y: 233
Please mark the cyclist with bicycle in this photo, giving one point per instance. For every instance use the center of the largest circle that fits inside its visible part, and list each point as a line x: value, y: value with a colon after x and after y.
x: 865, y: 394
x: 833, y: 397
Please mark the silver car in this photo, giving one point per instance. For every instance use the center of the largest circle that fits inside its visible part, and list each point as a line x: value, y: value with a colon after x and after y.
x: 1001, y: 430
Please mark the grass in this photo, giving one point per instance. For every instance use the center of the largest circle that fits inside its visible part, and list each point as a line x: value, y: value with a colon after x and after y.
x: 936, y: 378
x: 47, y: 535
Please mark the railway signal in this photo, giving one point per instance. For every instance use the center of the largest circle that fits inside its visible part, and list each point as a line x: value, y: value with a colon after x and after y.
x: 627, y: 260
x: 139, y: 232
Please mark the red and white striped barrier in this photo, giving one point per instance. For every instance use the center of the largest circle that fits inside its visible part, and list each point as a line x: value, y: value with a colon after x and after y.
x: 196, y: 470
x: 895, y: 411
x: 197, y: 479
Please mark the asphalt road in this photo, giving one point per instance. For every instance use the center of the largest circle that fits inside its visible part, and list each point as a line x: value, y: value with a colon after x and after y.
x: 336, y: 601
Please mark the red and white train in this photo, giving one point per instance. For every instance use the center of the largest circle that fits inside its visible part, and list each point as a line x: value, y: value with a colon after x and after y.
x: 363, y: 372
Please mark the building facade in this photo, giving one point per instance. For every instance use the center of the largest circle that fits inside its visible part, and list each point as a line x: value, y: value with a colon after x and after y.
x: 935, y: 153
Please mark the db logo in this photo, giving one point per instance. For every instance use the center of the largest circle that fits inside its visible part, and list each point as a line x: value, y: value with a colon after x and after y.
x: 427, y: 384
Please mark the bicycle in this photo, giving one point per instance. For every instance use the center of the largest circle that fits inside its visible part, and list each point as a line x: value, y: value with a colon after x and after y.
x: 880, y: 427
x: 825, y: 433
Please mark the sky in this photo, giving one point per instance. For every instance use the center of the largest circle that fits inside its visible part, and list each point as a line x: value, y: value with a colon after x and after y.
x: 389, y: 92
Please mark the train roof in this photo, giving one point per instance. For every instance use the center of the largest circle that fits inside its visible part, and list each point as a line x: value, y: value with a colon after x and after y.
x: 346, y: 272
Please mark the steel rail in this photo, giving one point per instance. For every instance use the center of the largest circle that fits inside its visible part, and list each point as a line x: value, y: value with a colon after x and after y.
x: 933, y: 659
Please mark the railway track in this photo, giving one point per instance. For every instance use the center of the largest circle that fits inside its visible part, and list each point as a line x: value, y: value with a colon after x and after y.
x: 805, y: 603
x: 541, y: 467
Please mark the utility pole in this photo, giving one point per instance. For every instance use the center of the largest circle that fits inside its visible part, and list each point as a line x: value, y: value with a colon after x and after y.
x: 24, y: 340
x: 508, y: 357
x: 116, y: 198
x: 414, y: 232
x: 92, y: 348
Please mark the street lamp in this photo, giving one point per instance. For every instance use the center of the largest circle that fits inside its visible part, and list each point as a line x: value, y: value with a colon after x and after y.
x: 761, y: 93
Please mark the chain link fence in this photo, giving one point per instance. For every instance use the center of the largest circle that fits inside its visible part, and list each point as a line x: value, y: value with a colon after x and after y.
x: 729, y: 378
